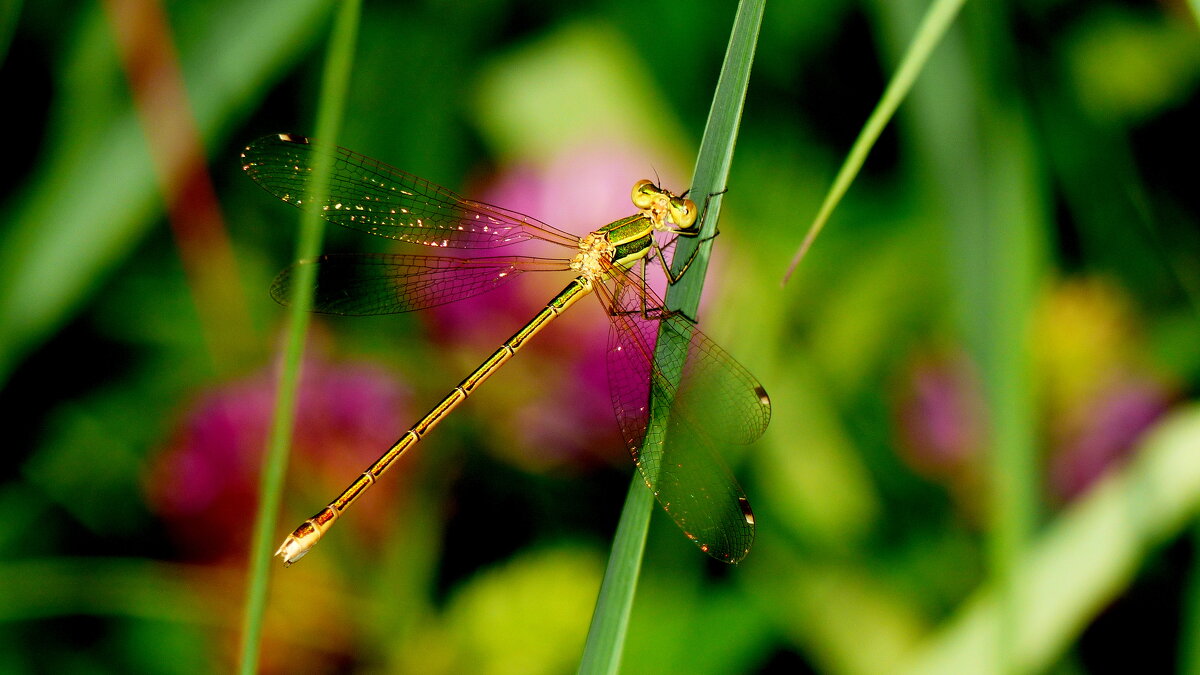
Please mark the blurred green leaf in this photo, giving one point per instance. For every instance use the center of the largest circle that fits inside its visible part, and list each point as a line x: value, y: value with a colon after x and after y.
x: 91, y: 464
x: 1126, y: 65
x: 688, y: 624
x: 1086, y: 557
x: 990, y: 200
x: 579, y: 84
x: 840, y: 614
x: 157, y: 647
x: 812, y: 480
x: 527, y: 615
x: 42, y: 587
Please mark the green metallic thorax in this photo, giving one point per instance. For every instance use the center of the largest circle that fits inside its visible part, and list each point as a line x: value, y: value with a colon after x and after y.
x: 631, y: 238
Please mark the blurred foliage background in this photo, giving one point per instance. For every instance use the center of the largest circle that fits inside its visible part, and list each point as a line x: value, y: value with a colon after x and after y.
x: 1017, y: 267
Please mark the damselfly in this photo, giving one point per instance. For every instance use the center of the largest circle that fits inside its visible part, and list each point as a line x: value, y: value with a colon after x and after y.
x: 677, y: 395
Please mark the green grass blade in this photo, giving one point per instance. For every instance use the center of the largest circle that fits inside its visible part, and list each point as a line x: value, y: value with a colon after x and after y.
x: 606, y: 636
x: 716, y: 155
x: 937, y: 20
x: 334, y: 83
x: 610, y: 619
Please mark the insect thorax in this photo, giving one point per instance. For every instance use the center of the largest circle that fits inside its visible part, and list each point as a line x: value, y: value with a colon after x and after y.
x: 595, y: 252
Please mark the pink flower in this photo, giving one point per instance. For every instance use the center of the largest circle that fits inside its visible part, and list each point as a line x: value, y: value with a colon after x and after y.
x: 1104, y: 435
x: 1097, y: 396
x: 1098, y: 390
x: 940, y: 417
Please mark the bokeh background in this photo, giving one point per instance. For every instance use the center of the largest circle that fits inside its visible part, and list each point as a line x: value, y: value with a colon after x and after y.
x: 1016, y: 267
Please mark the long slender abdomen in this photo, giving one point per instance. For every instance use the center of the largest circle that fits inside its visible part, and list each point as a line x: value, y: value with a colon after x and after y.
x: 301, y: 541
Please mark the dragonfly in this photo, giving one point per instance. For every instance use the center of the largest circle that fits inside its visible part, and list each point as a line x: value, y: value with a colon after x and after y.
x: 678, y: 396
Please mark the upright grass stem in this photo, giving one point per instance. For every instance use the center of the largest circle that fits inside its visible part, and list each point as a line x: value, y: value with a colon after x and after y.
x: 334, y: 83
x: 606, y: 636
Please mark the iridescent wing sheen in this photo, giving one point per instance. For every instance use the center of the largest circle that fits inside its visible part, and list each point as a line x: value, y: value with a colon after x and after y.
x: 372, y: 197
x: 369, y: 284
x: 678, y: 396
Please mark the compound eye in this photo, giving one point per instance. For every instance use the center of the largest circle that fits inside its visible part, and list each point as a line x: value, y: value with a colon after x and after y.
x: 683, y: 212
x: 644, y: 194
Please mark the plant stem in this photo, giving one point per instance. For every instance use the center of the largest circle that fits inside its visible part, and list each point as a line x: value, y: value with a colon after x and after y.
x: 334, y: 83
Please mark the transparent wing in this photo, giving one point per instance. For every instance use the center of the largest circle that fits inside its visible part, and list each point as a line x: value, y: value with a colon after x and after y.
x: 370, y: 196
x: 368, y: 284
x: 678, y: 396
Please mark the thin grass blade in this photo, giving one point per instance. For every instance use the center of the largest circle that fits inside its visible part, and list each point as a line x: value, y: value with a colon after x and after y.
x: 937, y: 20
x: 334, y: 83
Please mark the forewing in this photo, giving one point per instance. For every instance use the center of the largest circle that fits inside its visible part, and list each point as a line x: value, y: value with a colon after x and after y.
x: 370, y: 196
x: 368, y: 284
